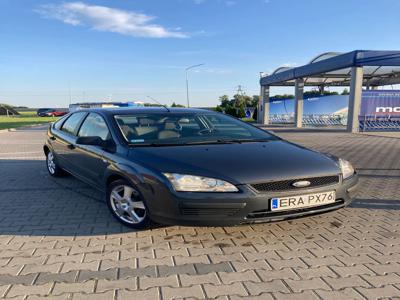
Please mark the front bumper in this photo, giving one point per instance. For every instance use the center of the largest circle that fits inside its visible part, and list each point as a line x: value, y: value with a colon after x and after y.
x: 226, y: 209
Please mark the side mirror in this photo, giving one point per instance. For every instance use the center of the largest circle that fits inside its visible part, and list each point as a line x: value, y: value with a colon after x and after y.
x: 90, y: 140
x: 108, y: 146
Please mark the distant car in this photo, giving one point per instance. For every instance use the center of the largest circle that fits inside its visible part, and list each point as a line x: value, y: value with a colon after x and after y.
x: 194, y: 167
x: 41, y: 112
x: 55, y: 113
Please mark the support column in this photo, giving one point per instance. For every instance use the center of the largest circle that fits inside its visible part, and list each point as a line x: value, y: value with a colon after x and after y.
x: 356, y: 84
x: 298, y: 106
x: 263, y: 106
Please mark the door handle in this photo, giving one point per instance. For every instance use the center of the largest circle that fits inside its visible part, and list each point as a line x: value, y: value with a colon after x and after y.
x: 70, y: 146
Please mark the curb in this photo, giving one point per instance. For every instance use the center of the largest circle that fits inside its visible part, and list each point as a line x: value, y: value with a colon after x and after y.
x: 23, y: 127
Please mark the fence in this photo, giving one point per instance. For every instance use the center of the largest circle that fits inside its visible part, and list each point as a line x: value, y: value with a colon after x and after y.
x: 379, y: 123
x: 313, y: 120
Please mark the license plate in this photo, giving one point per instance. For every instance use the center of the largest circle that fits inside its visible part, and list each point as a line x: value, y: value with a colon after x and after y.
x: 302, y: 201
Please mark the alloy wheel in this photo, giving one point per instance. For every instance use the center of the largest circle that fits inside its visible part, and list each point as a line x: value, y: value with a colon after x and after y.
x: 51, y: 166
x: 127, y: 205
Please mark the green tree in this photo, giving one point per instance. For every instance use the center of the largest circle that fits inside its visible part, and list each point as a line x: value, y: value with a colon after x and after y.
x: 241, y: 112
x: 177, y: 105
x: 255, y: 100
x: 237, y: 106
x: 224, y: 99
x: 230, y: 110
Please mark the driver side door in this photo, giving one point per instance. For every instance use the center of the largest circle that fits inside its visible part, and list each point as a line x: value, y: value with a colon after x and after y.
x: 89, y: 158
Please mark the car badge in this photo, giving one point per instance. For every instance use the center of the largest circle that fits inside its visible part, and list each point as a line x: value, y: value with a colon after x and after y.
x: 300, y: 184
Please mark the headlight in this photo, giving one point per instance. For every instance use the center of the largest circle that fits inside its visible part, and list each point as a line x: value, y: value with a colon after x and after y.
x: 346, y: 167
x: 189, y: 183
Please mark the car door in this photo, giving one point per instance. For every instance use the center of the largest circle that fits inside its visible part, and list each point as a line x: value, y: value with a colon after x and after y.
x: 89, y: 158
x: 63, y: 142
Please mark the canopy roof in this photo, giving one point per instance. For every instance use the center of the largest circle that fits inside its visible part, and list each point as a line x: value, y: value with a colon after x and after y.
x: 333, y: 69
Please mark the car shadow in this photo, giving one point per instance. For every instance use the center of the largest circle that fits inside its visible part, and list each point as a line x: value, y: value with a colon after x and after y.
x: 34, y: 203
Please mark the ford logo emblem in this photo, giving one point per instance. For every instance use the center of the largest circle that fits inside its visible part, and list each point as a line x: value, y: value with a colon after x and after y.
x: 302, y: 183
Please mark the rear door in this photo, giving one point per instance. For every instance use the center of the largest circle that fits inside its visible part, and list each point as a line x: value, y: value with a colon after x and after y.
x: 64, y: 142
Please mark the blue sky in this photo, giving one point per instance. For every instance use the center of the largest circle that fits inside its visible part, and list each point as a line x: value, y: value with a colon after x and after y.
x: 130, y: 49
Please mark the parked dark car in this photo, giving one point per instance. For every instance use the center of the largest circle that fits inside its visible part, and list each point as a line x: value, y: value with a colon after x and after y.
x: 41, y: 112
x: 194, y: 167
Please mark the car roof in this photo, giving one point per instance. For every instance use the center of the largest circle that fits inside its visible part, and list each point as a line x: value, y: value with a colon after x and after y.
x: 143, y: 110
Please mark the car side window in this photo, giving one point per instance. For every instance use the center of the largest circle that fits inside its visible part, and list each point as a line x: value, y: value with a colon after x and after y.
x: 94, y: 125
x: 70, y: 126
x: 57, y: 125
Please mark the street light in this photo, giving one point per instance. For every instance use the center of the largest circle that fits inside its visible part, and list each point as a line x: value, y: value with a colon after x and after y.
x: 187, y: 81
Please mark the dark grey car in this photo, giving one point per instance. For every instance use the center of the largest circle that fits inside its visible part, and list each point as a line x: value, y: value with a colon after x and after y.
x: 194, y: 167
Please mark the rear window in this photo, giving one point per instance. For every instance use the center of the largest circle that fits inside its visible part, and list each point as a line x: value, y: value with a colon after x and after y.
x: 94, y: 125
x: 57, y: 125
x: 70, y: 126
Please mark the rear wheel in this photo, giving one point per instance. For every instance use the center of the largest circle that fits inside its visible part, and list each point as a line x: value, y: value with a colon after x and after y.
x: 127, y: 206
x: 52, y: 167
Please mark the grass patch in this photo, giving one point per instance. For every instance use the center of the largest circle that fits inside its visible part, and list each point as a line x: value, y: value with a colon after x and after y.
x: 250, y: 120
x: 27, y: 113
x: 25, y: 119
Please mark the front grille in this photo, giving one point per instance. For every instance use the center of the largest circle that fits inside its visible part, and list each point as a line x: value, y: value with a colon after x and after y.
x: 286, y: 185
x: 216, y: 212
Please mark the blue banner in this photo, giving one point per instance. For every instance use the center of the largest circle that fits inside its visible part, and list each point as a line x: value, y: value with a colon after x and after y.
x: 331, y: 105
x: 380, y: 103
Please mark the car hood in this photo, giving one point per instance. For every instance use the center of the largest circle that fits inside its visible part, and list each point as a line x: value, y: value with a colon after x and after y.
x: 238, y: 163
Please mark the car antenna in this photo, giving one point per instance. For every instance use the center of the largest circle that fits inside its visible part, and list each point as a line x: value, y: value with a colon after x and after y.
x: 151, y: 98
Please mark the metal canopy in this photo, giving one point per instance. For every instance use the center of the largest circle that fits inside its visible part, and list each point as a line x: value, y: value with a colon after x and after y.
x: 334, y: 69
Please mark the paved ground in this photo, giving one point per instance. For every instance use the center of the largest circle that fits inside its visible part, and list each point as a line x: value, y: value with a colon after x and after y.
x: 57, y: 238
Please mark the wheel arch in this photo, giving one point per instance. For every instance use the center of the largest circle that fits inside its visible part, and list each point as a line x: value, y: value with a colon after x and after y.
x: 46, y: 149
x: 121, y: 171
x: 114, y: 177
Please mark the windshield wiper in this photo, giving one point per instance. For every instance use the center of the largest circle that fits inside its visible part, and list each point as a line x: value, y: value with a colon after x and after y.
x: 209, y: 142
x: 250, y: 140
x: 157, y: 144
x: 233, y: 141
x: 219, y: 141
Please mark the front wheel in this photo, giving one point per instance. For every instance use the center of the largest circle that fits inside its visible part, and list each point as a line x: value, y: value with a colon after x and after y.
x: 127, y: 206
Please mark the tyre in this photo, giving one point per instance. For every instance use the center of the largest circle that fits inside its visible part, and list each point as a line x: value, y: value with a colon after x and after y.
x: 52, y: 167
x: 127, y: 205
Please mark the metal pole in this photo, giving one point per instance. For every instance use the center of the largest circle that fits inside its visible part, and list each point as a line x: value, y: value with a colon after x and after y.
x: 187, y: 89
x: 298, y: 108
x: 356, y: 84
x: 187, y: 81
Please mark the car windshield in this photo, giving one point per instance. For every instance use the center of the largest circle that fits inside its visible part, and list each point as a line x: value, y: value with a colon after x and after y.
x: 164, y: 129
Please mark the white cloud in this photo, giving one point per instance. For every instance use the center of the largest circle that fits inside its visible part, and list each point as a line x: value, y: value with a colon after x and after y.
x: 103, y: 18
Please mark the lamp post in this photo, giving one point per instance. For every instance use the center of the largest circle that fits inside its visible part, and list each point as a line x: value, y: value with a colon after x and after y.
x: 187, y: 81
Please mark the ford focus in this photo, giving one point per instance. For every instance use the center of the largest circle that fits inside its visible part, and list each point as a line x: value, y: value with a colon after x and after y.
x: 194, y: 167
